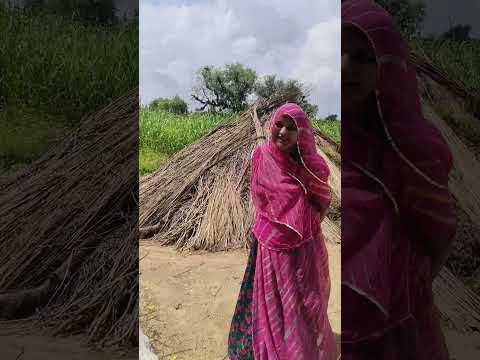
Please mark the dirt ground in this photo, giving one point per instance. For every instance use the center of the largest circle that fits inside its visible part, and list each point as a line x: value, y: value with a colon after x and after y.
x: 187, y: 301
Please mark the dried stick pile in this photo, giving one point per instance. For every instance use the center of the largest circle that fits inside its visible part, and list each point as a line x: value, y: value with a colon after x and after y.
x: 458, y: 305
x: 69, y: 230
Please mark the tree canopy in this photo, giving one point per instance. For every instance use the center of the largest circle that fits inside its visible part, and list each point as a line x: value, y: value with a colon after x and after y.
x: 231, y: 87
x: 270, y: 84
x: 174, y: 105
x: 224, y: 89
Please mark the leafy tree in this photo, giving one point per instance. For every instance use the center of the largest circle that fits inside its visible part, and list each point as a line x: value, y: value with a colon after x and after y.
x: 458, y: 33
x: 408, y: 15
x: 175, y: 105
x: 332, y: 117
x: 224, y: 89
x: 270, y: 85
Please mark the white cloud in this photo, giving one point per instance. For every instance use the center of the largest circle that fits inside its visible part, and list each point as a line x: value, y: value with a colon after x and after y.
x: 316, y: 68
x: 245, y: 47
x: 290, y: 39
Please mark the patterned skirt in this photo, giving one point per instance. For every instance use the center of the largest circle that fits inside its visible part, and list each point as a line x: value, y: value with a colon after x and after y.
x: 240, y: 345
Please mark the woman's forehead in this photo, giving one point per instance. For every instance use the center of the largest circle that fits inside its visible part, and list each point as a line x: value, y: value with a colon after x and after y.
x: 286, y: 119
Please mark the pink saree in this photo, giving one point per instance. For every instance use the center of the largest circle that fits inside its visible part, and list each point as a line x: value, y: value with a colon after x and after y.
x: 291, y: 282
x: 394, y: 196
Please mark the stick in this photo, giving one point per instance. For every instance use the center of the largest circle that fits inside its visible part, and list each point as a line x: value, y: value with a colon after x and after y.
x: 258, y: 126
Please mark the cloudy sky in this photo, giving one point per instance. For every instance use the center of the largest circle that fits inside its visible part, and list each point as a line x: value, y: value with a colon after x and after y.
x: 299, y: 40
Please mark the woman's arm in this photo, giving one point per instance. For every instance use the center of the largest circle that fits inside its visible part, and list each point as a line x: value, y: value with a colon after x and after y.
x: 318, y: 191
x: 319, y: 196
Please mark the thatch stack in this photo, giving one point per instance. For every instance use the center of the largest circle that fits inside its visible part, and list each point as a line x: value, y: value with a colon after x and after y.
x: 200, y: 198
x: 68, y: 232
x: 457, y: 304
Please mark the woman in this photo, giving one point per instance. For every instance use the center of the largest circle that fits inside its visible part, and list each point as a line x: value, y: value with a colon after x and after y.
x: 397, y: 213
x: 281, y: 312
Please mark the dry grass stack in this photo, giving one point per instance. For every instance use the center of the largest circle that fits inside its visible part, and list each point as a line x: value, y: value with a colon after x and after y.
x: 459, y: 306
x: 69, y: 232
x: 200, y: 199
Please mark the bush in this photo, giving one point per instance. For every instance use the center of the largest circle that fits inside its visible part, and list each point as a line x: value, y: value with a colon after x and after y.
x: 175, y: 105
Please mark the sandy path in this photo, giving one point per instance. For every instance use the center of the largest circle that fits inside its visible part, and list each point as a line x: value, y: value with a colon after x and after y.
x: 187, y: 301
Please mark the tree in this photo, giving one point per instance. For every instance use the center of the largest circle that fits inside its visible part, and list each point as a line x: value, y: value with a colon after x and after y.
x: 408, y: 15
x: 175, y: 105
x: 224, y: 89
x: 332, y: 117
x: 270, y: 85
x: 458, y: 33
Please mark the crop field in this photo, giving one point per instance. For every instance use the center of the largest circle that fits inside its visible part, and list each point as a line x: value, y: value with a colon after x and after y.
x: 163, y: 133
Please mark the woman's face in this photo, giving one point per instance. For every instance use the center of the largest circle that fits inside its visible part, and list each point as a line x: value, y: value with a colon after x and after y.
x: 359, y: 69
x: 285, y: 134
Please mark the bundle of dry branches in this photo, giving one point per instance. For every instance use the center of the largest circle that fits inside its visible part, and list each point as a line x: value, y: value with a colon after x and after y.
x: 69, y: 248
x: 200, y: 198
x: 458, y: 305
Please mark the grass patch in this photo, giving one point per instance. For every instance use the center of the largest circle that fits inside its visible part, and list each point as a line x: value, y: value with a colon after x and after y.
x: 26, y: 134
x: 467, y: 128
x: 163, y: 133
x: 331, y: 128
x: 150, y: 160
x: 167, y: 133
x: 459, y: 59
x: 61, y: 66
x: 54, y: 71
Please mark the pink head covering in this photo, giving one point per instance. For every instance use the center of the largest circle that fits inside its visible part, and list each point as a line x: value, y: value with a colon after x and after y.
x: 414, y: 139
x: 281, y: 188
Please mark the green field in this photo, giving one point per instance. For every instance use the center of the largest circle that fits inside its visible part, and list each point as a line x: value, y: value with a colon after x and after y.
x: 54, y: 71
x: 26, y: 134
x: 331, y: 128
x: 167, y: 132
x: 460, y: 60
x: 163, y: 134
